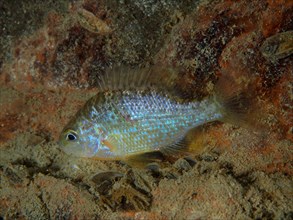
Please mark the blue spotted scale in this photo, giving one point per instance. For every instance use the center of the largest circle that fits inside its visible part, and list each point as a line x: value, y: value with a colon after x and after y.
x: 141, y: 111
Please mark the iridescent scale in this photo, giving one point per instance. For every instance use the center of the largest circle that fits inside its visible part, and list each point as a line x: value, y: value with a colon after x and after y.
x: 146, y: 120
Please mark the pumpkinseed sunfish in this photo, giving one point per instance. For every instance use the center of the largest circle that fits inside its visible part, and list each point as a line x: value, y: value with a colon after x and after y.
x: 135, y: 113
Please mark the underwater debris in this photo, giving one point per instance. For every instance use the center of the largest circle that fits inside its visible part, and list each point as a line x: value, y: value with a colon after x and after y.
x: 182, y: 165
x: 131, y: 192
x: 92, y: 23
x: 105, y: 180
x: 278, y: 46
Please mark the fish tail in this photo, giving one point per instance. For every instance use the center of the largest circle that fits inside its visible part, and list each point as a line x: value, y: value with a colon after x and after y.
x: 237, y: 105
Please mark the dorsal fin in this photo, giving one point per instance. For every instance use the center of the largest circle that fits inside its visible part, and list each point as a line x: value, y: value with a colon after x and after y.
x: 125, y: 78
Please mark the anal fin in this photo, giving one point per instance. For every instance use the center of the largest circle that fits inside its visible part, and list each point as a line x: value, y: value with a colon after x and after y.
x: 177, y: 149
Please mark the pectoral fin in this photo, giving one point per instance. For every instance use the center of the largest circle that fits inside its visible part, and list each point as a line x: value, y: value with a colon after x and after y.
x: 110, y: 145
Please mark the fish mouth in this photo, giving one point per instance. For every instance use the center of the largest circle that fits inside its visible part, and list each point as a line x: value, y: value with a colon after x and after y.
x: 63, y: 146
x: 60, y: 142
x: 71, y: 149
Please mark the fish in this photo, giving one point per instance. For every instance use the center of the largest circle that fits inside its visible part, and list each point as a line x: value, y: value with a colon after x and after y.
x: 278, y: 46
x: 139, y: 111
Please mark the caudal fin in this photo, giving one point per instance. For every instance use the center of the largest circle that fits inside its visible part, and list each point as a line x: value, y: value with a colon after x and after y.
x: 237, y: 103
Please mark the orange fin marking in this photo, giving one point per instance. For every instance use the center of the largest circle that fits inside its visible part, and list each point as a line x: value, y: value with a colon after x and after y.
x: 110, y: 145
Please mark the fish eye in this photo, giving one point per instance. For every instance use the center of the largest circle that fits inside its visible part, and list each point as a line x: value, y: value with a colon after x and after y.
x: 71, y: 136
